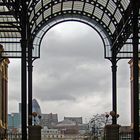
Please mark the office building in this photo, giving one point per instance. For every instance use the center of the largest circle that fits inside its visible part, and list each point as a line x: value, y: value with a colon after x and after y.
x: 77, y: 120
x: 49, y: 120
x: 36, y: 107
x: 14, y: 121
x: 67, y: 127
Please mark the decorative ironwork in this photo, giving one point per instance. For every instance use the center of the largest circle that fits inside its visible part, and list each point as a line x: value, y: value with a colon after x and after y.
x: 111, y: 18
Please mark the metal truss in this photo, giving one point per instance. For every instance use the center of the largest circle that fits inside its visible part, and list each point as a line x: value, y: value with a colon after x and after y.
x: 111, y: 18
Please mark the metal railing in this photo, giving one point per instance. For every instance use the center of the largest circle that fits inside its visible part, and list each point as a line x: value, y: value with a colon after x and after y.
x: 126, y: 136
x: 11, y: 136
x: 18, y: 136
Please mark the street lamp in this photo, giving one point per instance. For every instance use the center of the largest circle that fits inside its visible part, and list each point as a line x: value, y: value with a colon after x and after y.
x: 114, y: 115
x: 34, y: 114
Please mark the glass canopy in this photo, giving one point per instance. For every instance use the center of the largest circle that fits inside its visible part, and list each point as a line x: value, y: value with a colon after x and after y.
x: 110, y: 18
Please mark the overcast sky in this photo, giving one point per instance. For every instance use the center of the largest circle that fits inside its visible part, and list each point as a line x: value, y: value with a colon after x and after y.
x: 72, y: 78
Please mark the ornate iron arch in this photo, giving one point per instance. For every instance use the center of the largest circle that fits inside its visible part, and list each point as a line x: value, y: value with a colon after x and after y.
x: 109, y: 15
x: 112, y: 16
x: 39, y: 36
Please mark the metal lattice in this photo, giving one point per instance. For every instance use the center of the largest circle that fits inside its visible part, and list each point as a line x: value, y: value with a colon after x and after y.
x: 110, y: 18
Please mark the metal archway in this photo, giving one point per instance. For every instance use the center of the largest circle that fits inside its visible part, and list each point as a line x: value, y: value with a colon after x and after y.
x: 21, y: 23
x: 113, y: 16
x: 106, y: 42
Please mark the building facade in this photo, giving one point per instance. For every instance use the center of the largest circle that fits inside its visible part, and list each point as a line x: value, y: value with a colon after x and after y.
x: 132, y: 93
x: 49, y: 120
x: 14, y: 121
x: 68, y: 127
x: 77, y: 120
x: 3, y: 91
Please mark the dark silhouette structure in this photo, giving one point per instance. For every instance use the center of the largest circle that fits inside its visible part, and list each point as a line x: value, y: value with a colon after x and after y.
x: 23, y: 23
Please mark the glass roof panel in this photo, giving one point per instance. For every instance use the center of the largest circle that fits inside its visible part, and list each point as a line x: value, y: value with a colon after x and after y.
x: 106, y: 19
x: 78, y: 6
x: 112, y: 27
x: 67, y: 5
x: 7, y: 18
x: 125, y: 3
x: 111, y: 6
x: 117, y: 15
x: 47, y: 12
x: 39, y: 19
x: 98, y: 13
x: 88, y: 8
x: 56, y: 8
x: 3, y: 8
x: 46, y: 2
x: 38, y: 7
x: 102, y: 2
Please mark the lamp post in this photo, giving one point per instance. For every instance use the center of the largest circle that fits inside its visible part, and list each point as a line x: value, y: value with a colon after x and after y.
x: 35, y: 129
x: 114, y: 115
x: 34, y: 114
x: 112, y: 130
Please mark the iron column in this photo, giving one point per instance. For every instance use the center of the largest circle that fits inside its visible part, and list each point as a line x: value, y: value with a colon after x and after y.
x: 135, y: 42
x: 114, y: 87
x: 23, y: 70
x: 30, y: 69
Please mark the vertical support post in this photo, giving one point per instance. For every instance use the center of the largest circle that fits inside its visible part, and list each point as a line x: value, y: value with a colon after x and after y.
x: 30, y: 68
x: 135, y: 42
x: 114, y: 87
x: 24, y: 92
x: 23, y: 71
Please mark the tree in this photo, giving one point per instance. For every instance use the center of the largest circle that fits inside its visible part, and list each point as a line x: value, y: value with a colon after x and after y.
x: 97, y: 124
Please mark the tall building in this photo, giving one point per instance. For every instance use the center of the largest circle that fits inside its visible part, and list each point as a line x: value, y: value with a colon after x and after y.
x: 14, y: 121
x: 49, y: 120
x: 3, y: 90
x: 36, y: 107
x: 132, y: 93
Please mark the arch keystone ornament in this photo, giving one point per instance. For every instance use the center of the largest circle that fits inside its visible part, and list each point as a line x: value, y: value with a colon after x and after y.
x: 24, y: 23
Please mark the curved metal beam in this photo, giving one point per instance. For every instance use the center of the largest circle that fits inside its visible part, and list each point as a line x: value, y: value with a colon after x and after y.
x: 51, y: 4
x: 102, y: 33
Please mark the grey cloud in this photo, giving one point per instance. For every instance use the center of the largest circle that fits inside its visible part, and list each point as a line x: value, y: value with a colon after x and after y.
x: 14, y: 82
x: 78, y: 80
x: 72, y: 66
x: 73, y: 47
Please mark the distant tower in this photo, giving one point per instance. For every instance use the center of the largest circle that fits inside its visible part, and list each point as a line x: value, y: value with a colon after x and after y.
x: 36, y: 107
x: 3, y: 90
x: 49, y: 120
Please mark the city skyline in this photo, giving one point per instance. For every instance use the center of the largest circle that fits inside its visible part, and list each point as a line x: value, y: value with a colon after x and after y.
x: 75, y: 78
